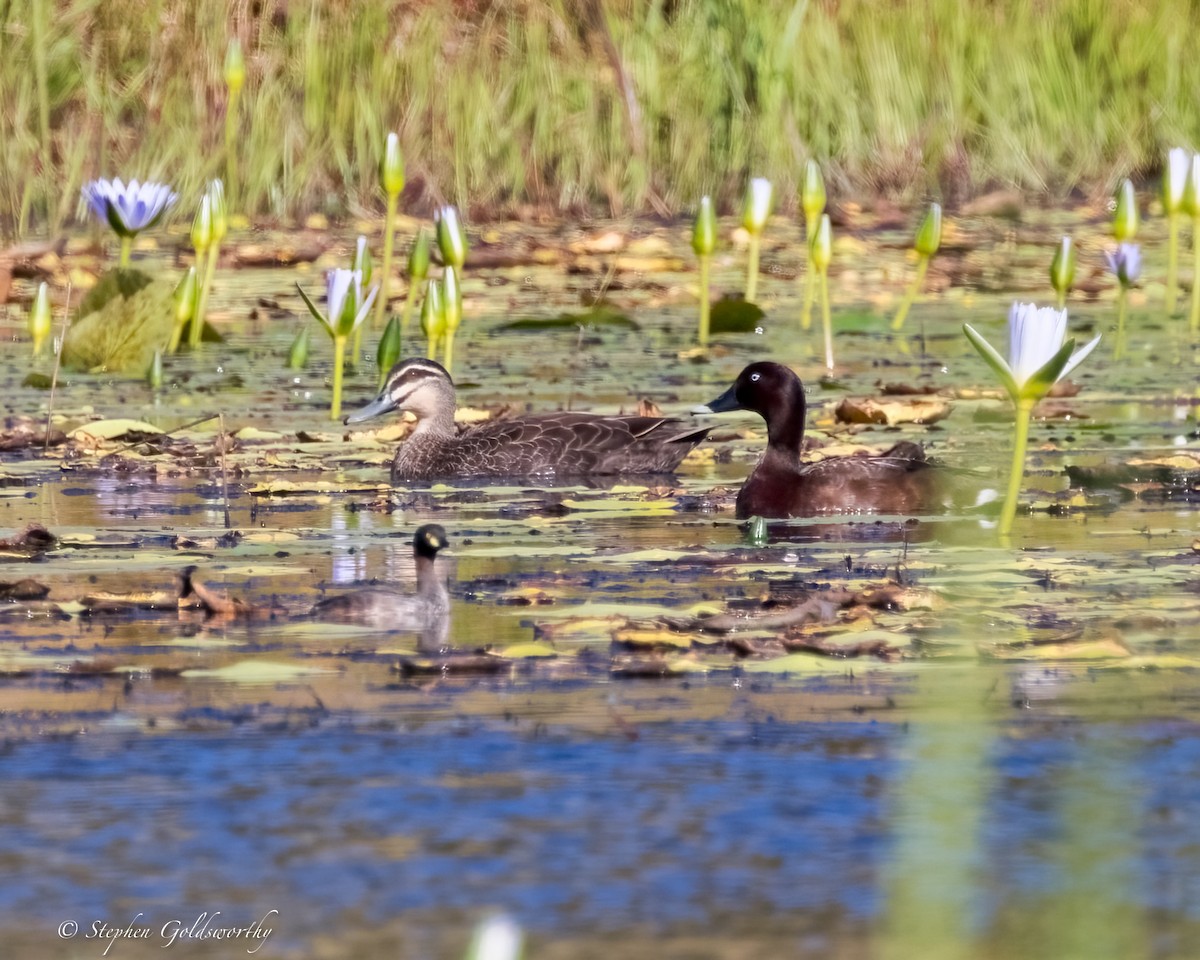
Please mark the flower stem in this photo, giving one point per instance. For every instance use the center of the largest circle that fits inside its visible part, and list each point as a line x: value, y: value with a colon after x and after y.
x: 409, y: 302
x: 210, y: 270
x: 1172, y: 261
x: 705, y: 301
x: 448, y: 346
x: 1119, y: 349
x: 1195, y: 320
x: 913, y: 290
x: 339, y: 358
x: 126, y: 250
x: 826, y: 320
x: 806, y: 272
x: 1060, y: 299
x: 1016, y: 472
x: 385, y: 278
x: 752, y: 269
x: 231, y: 168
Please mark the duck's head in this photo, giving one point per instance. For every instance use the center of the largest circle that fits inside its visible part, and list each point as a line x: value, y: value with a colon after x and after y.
x: 418, y: 385
x: 429, y: 539
x: 767, y: 388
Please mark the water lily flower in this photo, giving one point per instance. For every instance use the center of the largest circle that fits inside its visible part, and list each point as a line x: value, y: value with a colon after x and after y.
x: 926, y: 243
x: 128, y: 208
x: 498, y: 937
x: 1062, y: 270
x: 391, y: 166
x: 40, y: 318
x: 755, y: 213
x: 388, y: 354
x: 451, y: 237
x: 704, y: 242
x: 1125, y: 215
x: 1037, y: 359
x: 187, y: 295
x: 363, y: 264
x: 1125, y: 263
x: 345, y: 310
x: 812, y: 199
x: 451, y: 313
x: 391, y: 181
x: 433, y: 318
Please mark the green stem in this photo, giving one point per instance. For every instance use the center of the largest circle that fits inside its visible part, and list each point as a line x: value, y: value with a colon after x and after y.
x: 1172, y: 261
x: 1195, y: 320
x: 356, y: 347
x: 448, y: 357
x: 752, y: 269
x: 389, y: 231
x: 210, y: 271
x: 231, y: 167
x: 1060, y: 299
x: 431, y: 346
x: 1122, y: 303
x: 913, y: 290
x: 705, y: 301
x: 126, y: 251
x: 826, y: 320
x: 806, y: 272
x: 339, y: 360
x: 1016, y: 473
x: 406, y: 315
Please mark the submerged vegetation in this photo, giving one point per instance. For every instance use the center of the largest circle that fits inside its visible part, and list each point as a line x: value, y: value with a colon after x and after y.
x: 652, y: 104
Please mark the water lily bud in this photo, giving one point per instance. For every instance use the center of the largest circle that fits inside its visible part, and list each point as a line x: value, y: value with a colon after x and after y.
x: 1191, y: 190
x: 40, y: 318
x: 451, y: 237
x: 1062, y: 267
x: 362, y: 261
x: 812, y: 192
x: 433, y: 317
x: 1125, y: 219
x: 418, y: 258
x: 821, y: 249
x: 202, y: 225
x: 388, y: 354
x: 1125, y: 263
x: 1175, y: 179
x: 297, y: 358
x: 758, y: 205
x: 235, y: 66
x: 451, y: 299
x: 929, y: 234
x: 154, y: 373
x: 186, y: 293
x: 704, y: 230
x: 391, y: 167
x: 220, y: 218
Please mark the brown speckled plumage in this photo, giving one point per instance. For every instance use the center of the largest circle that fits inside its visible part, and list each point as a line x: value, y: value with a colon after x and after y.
x: 546, y: 445
x: 899, y: 481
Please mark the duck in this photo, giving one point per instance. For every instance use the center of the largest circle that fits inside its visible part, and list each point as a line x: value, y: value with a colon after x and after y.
x: 426, y: 613
x: 546, y: 445
x: 901, y: 480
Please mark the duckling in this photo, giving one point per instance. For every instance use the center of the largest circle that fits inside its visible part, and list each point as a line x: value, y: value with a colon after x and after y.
x: 898, y: 481
x: 544, y: 445
x: 427, y: 612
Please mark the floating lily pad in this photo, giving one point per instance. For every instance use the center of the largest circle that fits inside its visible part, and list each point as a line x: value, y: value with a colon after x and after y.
x: 602, y: 314
x: 735, y: 316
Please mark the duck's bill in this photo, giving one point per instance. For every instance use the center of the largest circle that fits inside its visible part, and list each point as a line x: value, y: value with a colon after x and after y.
x: 381, y: 404
x: 723, y: 404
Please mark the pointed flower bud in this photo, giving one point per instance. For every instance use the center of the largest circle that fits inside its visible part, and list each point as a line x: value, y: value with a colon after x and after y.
x: 1062, y: 267
x: 1125, y: 263
x: 235, y: 66
x: 388, y: 354
x: 704, y: 230
x: 298, y: 352
x: 1191, y: 190
x: 451, y: 299
x: 757, y: 208
x: 391, y: 167
x: 220, y: 214
x: 812, y: 192
x: 821, y: 248
x: 362, y: 261
x: 929, y: 234
x: 451, y: 237
x: 202, y: 225
x: 418, y: 257
x: 154, y: 373
x: 186, y: 293
x: 40, y: 318
x: 1125, y: 218
x: 1175, y: 179
x: 433, y: 318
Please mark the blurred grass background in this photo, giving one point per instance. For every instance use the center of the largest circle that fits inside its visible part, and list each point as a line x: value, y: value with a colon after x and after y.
x: 607, y: 106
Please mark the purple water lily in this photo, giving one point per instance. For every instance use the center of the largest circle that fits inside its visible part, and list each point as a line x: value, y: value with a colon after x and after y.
x: 1125, y: 263
x: 128, y: 208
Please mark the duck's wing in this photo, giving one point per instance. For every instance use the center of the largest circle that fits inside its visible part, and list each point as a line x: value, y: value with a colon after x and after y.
x: 380, y: 609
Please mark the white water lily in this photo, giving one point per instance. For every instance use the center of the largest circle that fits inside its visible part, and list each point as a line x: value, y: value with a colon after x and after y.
x: 498, y: 937
x: 451, y: 237
x: 758, y: 205
x: 1175, y: 179
x: 343, y: 294
x: 1037, y: 356
x: 128, y: 208
x: 1125, y: 263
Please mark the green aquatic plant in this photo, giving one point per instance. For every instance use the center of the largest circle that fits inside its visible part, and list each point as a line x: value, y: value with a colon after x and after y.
x: 186, y: 295
x: 433, y: 319
x: 926, y: 243
x: 346, y: 308
x: 235, y: 79
x: 1173, y: 186
x: 1062, y: 271
x: 704, y: 242
x: 451, y: 237
x: 418, y: 270
x: 41, y: 319
x: 1126, y: 265
x: 1125, y: 213
x: 120, y: 322
x: 208, y: 230
x: 756, y: 210
x: 391, y: 181
x: 1191, y: 207
x: 388, y: 354
x: 452, y: 307
x: 128, y: 208
x: 812, y: 200
x: 1037, y: 359
x: 154, y: 373
x: 297, y: 358
x: 820, y: 255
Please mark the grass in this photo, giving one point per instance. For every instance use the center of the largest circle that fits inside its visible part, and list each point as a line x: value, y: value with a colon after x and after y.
x: 609, y: 106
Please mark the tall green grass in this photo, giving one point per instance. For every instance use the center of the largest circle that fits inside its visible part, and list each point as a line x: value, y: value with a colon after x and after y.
x: 605, y: 105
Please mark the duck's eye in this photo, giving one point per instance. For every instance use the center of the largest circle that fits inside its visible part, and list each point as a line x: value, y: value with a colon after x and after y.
x: 755, y: 377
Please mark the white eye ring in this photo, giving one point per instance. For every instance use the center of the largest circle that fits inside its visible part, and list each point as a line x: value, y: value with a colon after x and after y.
x: 755, y: 377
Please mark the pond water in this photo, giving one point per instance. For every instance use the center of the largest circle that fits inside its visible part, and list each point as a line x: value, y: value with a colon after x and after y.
x: 1015, y: 776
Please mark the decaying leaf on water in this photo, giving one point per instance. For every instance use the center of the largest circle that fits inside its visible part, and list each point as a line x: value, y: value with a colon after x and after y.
x: 21, y: 433
x: 26, y: 589
x: 870, y: 410
x: 33, y: 539
x: 221, y: 606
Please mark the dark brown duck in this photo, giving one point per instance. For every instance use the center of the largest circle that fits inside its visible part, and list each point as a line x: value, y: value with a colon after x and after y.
x: 898, y: 481
x: 545, y: 445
